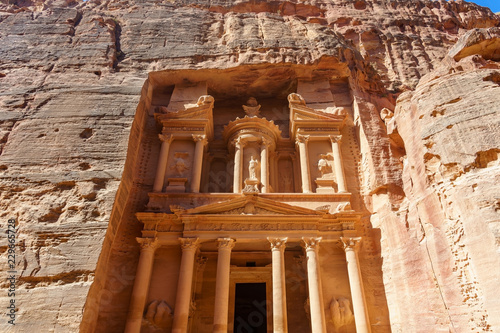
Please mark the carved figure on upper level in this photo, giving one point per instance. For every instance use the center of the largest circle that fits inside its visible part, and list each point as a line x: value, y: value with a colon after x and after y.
x: 180, y: 164
x: 252, y: 167
x: 252, y: 109
x: 323, y: 164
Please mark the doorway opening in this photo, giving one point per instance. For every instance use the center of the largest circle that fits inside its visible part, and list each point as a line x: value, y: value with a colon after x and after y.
x: 250, y: 312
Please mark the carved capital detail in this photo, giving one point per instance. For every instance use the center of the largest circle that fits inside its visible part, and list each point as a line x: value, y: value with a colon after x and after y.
x: 166, y: 137
x: 200, y: 137
x: 265, y: 143
x: 189, y: 243
x: 311, y: 243
x: 226, y: 243
x: 301, y: 138
x: 201, y: 262
x: 277, y: 243
x: 148, y: 243
x: 350, y: 243
x: 335, y: 138
x: 238, y: 143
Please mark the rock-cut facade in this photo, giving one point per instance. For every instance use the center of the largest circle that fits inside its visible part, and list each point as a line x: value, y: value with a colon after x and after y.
x: 251, y: 166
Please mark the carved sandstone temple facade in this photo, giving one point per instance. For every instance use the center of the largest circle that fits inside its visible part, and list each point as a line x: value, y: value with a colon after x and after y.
x: 249, y: 225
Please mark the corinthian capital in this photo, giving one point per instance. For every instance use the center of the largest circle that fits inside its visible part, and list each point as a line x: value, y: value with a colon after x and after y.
x: 277, y: 243
x: 166, y: 137
x: 189, y: 243
x: 350, y: 243
x: 239, y: 142
x: 335, y: 138
x: 311, y: 243
x: 301, y: 138
x: 200, y: 137
x: 226, y: 243
x: 148, y: 243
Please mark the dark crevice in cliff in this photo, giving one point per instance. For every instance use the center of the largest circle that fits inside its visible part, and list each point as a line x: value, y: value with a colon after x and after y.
x: 119, y: 53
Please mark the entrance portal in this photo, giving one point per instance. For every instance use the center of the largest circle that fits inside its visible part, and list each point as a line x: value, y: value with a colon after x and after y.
x: 250, y: 313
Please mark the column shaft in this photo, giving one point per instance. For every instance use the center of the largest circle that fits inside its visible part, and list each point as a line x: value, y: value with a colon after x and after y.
x: 141, y: 285
x: 304, y: 163
x: 357, y: 293
x: 280, y: 324
x: 222, y: 285
x: 183, y: 297
x: 238, y: 161
x: 264, y: 167
x: 318, y: 323
x: 162, y: 162
x: 197, y: 162
x: 337, y: 162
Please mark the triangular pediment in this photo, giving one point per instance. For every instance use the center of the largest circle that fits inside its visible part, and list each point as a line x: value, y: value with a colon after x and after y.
x: 251, y: 205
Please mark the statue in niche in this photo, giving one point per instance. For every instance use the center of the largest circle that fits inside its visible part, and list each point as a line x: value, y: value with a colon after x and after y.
x: 251, y: 182
x: 323, y: 166
x: 179, y: 164
x: 340, y: 312
x: 252, y: 109
x: 252, y: 167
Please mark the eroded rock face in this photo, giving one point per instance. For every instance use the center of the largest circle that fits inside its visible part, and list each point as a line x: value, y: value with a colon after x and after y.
x: 449, y: 125
x: 72, y: 76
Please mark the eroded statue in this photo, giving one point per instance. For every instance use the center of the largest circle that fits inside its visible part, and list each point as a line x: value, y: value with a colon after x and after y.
x: 340, y: 312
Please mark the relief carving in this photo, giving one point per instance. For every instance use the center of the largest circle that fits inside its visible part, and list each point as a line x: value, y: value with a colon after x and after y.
x: 180, y: 163
x: 323, y: 165
x: 340, y: 312
x: 159, y: 314
x: 252, y: 109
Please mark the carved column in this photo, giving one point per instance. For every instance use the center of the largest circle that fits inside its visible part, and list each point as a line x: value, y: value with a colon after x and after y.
x: 141, y: 284
x: 162, y: 161
x: 318, y: 323
x: 238, y: 162
x: 278, y: 246
x: 222, y: 285
x: 201, y: 141
x: 301, y: 141
x: 183, y: 298
x: 351, y: 246
x: 264, y: 166
x: 337, y: 162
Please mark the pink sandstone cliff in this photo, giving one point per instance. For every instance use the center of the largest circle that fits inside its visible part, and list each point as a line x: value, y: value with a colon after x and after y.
x: 73, y: 83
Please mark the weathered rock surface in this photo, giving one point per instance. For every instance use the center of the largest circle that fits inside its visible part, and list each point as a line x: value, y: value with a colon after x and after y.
x: 72, y: 74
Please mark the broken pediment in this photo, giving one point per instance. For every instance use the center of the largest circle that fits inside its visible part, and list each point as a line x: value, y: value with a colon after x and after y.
x: 306, y: 118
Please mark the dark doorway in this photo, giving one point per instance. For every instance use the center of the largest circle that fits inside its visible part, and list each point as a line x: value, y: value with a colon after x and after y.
x: 250, y: 313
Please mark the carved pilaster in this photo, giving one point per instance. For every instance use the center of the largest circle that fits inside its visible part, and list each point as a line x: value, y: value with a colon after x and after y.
x: 337, y: 163
x: 201, y: 141
x: 279, y: 287
x: 162, y: 161
x: 185, y: 283
x: 225, y: 246
x: 141, y: 283
x: 311, y: 245
x: 301, y: 141
x: 361, y: 319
